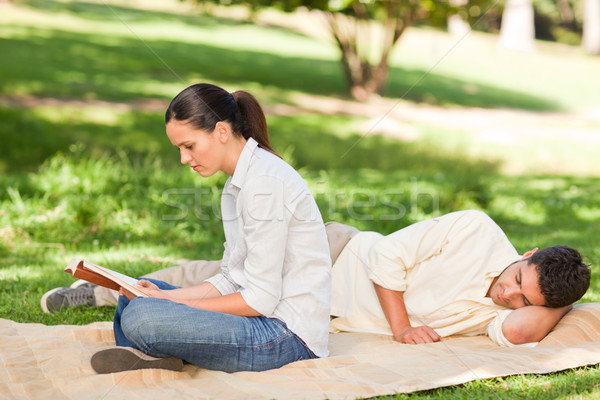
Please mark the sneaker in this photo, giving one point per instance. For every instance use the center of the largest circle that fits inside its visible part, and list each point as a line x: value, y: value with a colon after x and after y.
x: 64, y: 297
x: 117, y: 359
x: 82, y: 283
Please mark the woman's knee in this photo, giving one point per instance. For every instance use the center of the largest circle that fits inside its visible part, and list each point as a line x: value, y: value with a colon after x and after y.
x: 139, y: 322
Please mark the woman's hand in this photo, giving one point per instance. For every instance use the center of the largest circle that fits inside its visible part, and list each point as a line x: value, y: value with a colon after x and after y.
x: 149, y: 288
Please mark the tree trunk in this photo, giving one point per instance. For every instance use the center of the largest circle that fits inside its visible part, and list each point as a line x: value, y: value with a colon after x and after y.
x: 457, y: 26
x: 365, y: 79
x: 395, y: 25
x: 345, y: 35
x: 517, y: 30
x: 566, y: 12
x: 591, y: 27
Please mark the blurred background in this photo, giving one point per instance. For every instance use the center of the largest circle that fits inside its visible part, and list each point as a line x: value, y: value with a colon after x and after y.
x: 392, y: 111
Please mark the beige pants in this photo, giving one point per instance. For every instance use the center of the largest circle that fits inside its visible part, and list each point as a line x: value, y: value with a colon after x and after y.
x: 195, y: 272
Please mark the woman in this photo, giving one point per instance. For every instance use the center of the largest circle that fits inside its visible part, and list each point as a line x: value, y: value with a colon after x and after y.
x: 269, y: 305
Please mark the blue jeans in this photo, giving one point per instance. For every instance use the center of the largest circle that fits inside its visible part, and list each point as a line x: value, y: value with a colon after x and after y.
x: 212, y: 340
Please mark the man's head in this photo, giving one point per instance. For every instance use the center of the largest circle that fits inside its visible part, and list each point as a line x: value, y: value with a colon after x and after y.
x: 554, y: 277
x: 563, y: 277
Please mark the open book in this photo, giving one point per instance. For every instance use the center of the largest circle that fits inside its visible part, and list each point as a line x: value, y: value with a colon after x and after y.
x: 103, y: 276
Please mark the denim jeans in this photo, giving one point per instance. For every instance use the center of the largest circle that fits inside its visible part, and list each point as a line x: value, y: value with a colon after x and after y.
x: 212, y: 340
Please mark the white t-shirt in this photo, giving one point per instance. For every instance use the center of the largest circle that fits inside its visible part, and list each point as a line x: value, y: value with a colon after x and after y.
x: 444, y: 266
x: 276, y: 250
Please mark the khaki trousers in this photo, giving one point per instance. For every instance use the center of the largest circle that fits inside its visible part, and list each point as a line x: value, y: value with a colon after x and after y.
x: 195, y: 272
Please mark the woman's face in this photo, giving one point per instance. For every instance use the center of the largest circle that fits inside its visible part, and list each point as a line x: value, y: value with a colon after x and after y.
x: 200, y: 149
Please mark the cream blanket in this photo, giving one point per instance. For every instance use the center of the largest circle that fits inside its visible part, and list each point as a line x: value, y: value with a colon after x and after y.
x: 52, y: 362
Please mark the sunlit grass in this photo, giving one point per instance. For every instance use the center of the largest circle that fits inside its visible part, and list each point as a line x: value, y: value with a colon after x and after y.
x: 477, y: 59
x: 547, y: 150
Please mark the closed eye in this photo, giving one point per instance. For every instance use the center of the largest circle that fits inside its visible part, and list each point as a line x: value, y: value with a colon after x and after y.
x: 518, y: 280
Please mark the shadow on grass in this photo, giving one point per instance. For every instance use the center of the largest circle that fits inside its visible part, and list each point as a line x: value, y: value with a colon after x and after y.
x: 105, y: 12
x: 74, y: 65
x: 314, y: 148
x: 430, y: 88
x: 56, y: 63
x: 29, y: 139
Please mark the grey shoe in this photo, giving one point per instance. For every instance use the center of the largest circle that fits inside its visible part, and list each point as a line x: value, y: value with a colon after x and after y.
x: 117, y: 359
x: 63, y: 297
x: 82, y: 283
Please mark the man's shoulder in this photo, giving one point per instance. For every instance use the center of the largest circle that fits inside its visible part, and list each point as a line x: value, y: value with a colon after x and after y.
x: 471, y: 214
x: 475, y: 218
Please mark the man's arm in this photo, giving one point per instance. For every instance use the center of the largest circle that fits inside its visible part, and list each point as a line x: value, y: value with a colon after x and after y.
x: 531, y: 323
x: 392, y: 303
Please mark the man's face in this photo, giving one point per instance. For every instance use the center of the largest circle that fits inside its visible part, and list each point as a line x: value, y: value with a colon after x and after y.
x: 517, y: 286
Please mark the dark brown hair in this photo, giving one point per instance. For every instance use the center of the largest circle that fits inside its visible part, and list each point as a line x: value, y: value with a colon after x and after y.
x: 563, y: 276
x: 203, y: 105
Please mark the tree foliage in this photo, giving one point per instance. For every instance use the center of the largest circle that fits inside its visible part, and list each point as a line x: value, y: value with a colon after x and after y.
x: 365, y: 31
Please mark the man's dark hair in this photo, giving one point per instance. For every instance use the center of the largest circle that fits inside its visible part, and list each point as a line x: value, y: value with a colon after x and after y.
x: 563, y: 277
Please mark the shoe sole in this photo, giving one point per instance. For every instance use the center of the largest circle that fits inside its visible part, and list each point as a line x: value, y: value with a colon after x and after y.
x: 120, y: 359
x: 44, y: 301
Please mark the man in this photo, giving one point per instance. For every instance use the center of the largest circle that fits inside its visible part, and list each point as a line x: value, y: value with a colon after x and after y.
x: 456, y: 274
x: 453, y: 275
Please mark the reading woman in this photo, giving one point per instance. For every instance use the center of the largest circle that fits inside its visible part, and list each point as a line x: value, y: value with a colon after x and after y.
x: 269, y: 305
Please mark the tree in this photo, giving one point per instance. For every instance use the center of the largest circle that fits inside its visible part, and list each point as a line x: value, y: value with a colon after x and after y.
x: 365, y: 31
x: 517, y: 31
x: 353, y: 28
x: 591, y: 27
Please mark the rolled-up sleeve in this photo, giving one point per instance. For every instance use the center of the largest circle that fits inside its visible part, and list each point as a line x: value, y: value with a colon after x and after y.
x: 494, y: 331
x: 266, y: 218
x: 223, y: 284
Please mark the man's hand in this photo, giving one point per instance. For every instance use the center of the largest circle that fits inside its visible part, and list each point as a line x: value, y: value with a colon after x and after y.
x: 392, y: 304
x: 418, y: 335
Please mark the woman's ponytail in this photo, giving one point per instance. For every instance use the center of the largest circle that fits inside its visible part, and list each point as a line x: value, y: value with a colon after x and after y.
x: 252, y: 122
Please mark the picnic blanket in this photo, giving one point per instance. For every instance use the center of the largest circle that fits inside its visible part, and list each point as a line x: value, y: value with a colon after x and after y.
x: 52, y: 362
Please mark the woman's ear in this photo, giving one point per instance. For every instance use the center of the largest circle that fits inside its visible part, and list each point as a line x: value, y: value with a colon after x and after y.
x: 223, y: 131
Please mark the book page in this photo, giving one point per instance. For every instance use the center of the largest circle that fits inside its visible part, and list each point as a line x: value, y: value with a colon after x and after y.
x: 127, y: 279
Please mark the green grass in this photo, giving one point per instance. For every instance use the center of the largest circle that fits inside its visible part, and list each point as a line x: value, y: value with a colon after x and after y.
x: 576, y: 384
x: 552, y: 77
x: 86, y: 169
x: 56, y: 51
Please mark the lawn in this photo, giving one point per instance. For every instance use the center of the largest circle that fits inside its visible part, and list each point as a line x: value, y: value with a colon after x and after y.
x: 86, y: 169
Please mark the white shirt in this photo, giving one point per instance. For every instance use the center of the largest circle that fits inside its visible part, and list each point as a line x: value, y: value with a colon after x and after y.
x: 276, y: 250
x: 444, y: 266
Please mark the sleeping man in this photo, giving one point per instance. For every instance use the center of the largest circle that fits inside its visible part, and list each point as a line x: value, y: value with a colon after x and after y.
x: 457, y: 274
x: 453, y: 275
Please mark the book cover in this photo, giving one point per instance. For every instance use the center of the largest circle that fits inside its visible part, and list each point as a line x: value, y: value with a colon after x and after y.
x: 102, y: 276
